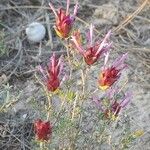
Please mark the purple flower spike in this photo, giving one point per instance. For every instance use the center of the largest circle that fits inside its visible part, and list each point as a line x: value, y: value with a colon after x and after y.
x: 126, y: 100
x: 64, y: 20
x: 109, y: 75
x: 94, y: 50
x: 52, y: 72
x: 112, y: 107
x: 119, y: 62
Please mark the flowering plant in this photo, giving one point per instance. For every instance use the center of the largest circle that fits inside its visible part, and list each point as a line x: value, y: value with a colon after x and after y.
x: 64, y: 21
x: 110, y: 106
x: 93, y: 50
x: 68, y: 116
x: 109, y: 75
x: 51, y: 74
x: 43, y: 130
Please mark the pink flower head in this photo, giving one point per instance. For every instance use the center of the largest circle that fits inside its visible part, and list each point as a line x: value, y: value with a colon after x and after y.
x: 43, y: 130
x: 78, y: 37
x: 115, y: 107
x: 94, y: 50
x: 64, y: 21
x: 110, y: 75
x: 109, y: 105
x: 51, y: 74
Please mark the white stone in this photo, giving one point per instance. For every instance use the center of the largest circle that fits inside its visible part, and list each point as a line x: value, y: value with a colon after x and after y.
x: 35, y: 32
x: 24, y: 116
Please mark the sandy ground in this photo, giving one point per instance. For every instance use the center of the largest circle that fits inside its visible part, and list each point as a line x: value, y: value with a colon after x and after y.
x: 134, y: 39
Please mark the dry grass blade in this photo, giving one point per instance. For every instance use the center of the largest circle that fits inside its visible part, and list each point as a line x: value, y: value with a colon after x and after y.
x: 131, y: 17
x: 24, y: 7
x: 9, y: 139
x: 7, y: 105
x: 50, y: 42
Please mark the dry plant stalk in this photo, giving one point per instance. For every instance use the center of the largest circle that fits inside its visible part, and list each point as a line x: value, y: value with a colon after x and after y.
x: 131, y: 17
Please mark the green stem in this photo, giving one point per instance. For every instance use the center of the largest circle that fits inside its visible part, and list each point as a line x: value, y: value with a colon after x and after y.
x: 49, y: 104
x: 74, y: 106
x: 59, y: 113
x: 41, y: 146
x: 69, y: 57
x: 83, y: 83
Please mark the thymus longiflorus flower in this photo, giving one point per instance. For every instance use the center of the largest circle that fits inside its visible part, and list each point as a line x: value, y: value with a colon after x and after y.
x: 52, y: 72
x: 64, y: 20
x: 43, y: 130
x: 109, y: 75
x: 93, y: 50
x: 110, y: 105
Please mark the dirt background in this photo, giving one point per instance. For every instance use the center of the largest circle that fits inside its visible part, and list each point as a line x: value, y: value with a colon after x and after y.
x: 130, y: 23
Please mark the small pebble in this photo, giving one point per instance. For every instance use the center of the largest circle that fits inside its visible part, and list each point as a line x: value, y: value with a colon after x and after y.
x: 35, y: 32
